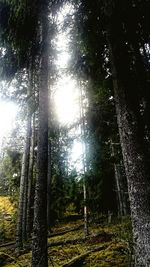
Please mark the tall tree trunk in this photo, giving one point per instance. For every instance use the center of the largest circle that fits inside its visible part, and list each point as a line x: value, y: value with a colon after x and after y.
x: 121, y: 191
x: 49, y: 187
x: 30, y: 183
x: 21, y: 224
x: 39, y: 243
x: 120, y: 185
x: 24, y: 219
x: 132, y: 149
x: 84, y: 161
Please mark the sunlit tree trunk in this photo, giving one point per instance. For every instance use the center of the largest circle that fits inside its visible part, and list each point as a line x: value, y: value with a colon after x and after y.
x: 39, y: 243
x: 84, y: 161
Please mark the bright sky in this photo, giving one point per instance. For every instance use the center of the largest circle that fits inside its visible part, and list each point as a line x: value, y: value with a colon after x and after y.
x: 77, y: 155
x: 66, y: 96
x: 66, y: 100
x: 67, y: 92
x: 8, y: 113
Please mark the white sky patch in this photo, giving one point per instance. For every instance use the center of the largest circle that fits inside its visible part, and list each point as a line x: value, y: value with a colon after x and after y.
x: 67, y: 9
x: 66, y: 99
x: 77, y: 156
x: 67, y: 92
x: 63, y: 60
x: 8, y: 113
x: 62, y: 41
x: 63, y: 37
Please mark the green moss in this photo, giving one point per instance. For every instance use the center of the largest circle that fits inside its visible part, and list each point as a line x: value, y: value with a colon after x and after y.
x: 115, y: 255
x: 114, y: 252
x: 21, y: 261
x: 60, y: 255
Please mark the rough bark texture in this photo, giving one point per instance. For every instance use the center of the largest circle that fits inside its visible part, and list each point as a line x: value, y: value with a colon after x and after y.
x: 132, y: 149
x: 138, y: 186
x: 39, y: 244
x: 21, y: 224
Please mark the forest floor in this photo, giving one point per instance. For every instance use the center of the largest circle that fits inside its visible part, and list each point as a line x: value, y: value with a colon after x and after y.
x: 106, y: 245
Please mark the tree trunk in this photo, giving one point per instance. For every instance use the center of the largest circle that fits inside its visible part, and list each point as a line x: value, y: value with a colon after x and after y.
x: 118, y: 189
x: 21, y: 224
x: 119, y: 185
x: 121, y: 190
x: 30, y: 183
x: 49, y: 187
x: 84, y: 161
x: 24, y: 219
x: 132, y: 149
x: 39, y: 244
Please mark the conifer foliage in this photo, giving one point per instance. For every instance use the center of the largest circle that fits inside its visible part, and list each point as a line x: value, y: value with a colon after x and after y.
x: 110, y: 40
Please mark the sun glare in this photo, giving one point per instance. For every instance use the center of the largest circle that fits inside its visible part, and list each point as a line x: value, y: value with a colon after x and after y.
x: 66, y: 100
x: 76, y: 156
x: 66, y: 90
x: 8, y: 112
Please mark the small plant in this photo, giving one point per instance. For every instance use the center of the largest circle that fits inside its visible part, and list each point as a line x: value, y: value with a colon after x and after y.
x: 2, y: 226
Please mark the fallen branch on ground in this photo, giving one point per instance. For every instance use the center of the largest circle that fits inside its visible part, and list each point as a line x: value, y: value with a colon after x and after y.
x: 79, y: 259
x: 65, y: 231
x: 7, y: 244
x: 100, y: 237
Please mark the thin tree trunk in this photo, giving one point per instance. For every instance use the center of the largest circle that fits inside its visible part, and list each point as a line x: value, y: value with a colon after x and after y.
x: 20, y: 235
x: 138, y: 183
x: 84, y: 162
x: 24, y: 219
x: 121, y: 191
x: 118, y: 188
x: 49, y: 187
x: 39, y: 244
x: 30, y: 183
x: 118, y: 183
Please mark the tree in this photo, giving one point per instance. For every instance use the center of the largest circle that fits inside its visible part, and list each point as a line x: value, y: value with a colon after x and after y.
x: 112, y: 31
x: 27, y: 45
x: 21, y: 225
x: 39, y: 244
x: 31, y: 182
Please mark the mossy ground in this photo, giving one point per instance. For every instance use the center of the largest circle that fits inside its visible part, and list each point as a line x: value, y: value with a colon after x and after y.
x: 112, y: 242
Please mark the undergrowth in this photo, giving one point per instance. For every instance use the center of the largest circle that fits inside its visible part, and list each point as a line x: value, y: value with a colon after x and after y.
x: 111, y: 242
x: 7, y: 219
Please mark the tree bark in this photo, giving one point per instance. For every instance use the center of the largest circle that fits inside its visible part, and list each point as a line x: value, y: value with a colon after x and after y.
x: 121, y: 191
x: 21, y: 224
x: 132, y: 149
x: 49, y: 187
x: 39, y: 243
x: 24, y: 219
x: 84, y: 162
x: 30, y: 183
